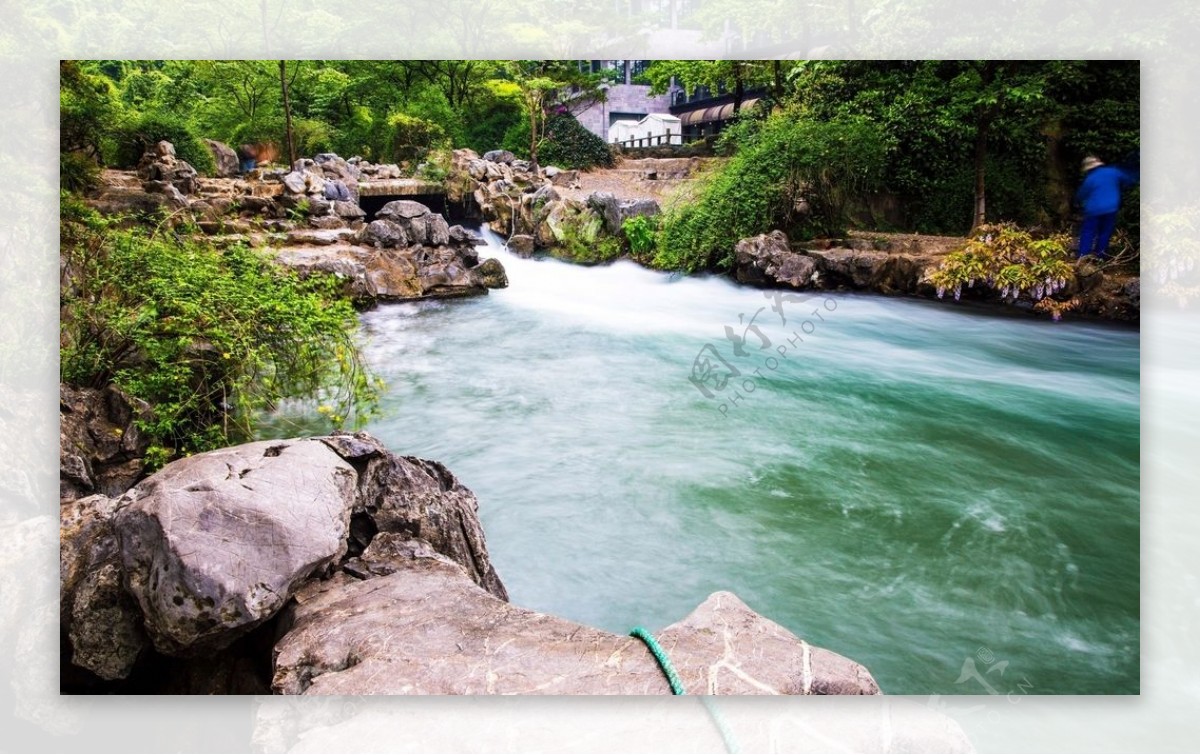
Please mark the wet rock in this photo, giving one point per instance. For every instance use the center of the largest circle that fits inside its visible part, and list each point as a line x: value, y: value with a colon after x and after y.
x: 214, y: 544
x: 294, y: 182
x: 320, y: 236
x: 521, y: 245
x: 426, y: 628
x: 492, y: 273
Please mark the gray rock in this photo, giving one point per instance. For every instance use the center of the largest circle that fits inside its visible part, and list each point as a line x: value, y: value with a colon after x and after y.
x: 214, y: 544
x: 335, y: 190
x: 294, y: 182
x: 389, y: 553
x: 492, y: 273
x: 319, y: 235
x: 767, y: 260
x: 460, y: 235
x: 427, y: 629
x: 318, y: 206
x: 564, y: 178
x: 101, y: 621
x: 437, y: 231
x: 615, y: 212
x: 521, y: 245
x: 403, y: 208
x: 422, y: 499
x: 383, y: 233
x: 499, y: 156
x: 225, y: 158
x: 326, y: 222
x: 100, y: 446
x: 348, y: 210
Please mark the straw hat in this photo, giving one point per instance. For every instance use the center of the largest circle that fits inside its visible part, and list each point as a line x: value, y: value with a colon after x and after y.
x: 1090, y: 162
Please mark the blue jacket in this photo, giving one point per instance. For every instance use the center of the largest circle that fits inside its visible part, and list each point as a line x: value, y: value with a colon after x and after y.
x: 1100, y: 192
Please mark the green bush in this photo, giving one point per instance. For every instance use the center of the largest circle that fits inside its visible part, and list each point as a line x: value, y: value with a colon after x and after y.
x: 209, y: 338
x: 77, y: 172
x: 641, y: 233
x: 410, y: 138
x: 785, y: 161
x: 581, y: 239
x: 566, y: 143
x: 132, y: 139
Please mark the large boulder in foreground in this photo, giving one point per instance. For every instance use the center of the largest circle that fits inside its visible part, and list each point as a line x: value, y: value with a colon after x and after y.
x: 214, y: 544
x: 426, y: 628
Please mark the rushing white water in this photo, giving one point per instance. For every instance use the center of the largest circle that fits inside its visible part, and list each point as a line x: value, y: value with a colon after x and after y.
x: 911, y: 484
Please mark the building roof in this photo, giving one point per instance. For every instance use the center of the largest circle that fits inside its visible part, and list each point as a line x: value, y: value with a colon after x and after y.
x: 716, y: 112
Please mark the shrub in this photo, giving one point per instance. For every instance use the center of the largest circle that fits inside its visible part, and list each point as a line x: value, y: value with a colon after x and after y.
x: 132, y: 139
x: 77, y: 172
x: 410, y: 139
x: 784, y: 164
x: 566, y: 143
x: 641, y: 233
x: 209, y: 338
x: 1011, y: 261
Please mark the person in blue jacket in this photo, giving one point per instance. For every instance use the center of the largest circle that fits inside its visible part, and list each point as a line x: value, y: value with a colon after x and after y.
x: 1100, y: 197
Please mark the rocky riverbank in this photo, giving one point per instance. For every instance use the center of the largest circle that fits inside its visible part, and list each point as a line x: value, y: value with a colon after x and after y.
x: 310, y: 219
x: 553, y: 209
x: 331, y: 565
x: 899, y: 264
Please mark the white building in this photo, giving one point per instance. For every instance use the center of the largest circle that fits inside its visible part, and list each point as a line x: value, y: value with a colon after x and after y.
x: 651, y: 131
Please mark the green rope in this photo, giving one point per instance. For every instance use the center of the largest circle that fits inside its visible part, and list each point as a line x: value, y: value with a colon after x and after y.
x: 660, y: 655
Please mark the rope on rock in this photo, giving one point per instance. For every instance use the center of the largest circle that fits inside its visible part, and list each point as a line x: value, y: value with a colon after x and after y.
x: 660, y: 655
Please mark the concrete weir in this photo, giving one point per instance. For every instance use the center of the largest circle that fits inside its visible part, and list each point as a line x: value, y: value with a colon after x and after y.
x: 399, y: 187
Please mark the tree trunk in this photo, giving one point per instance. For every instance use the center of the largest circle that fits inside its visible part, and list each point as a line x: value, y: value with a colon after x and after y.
x: 980, y: 213
x: 287, y: 112
x: 739, y: 88
x: 778, y: 70
x: 533, y: 139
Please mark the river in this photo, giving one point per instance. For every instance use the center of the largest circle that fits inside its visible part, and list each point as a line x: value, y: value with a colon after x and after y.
x: 949, y: 496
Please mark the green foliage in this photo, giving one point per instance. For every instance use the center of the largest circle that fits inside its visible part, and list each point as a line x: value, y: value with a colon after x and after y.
x: 1009, y: 260
x: 77, y: 172
x: 132, y: 139
x: 641, y: 233
x: 209, y: 338
x: 788, y: 161
x: 581, y: 239
x: 88, y: 109
x: 411, y: 138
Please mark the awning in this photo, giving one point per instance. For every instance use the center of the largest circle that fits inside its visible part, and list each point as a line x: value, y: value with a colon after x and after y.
x: 715, y: 113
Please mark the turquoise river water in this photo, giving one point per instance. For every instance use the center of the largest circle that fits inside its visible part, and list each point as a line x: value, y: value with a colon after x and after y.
x: 945, y: 495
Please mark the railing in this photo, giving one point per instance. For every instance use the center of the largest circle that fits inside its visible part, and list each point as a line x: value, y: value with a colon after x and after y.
x: 662, y: 140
